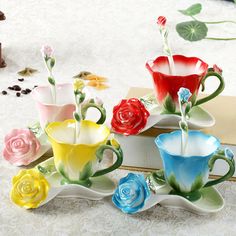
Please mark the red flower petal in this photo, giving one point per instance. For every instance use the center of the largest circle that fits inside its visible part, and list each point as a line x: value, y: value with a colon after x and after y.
x: 129, y: 117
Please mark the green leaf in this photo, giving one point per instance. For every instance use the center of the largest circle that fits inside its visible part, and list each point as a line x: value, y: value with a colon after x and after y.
x: 188, y: 108
x: 192, y: 10
x: 193, y: 98
x: 86, y: 172
x: 183, y: 126
x: 76, y: 116
x: 197, y: 184
x: 82, y: 97
x: 192, y: 30
x: 52, y: 62
x: 174, y: 183
x: 51, y: 81
x: 169, y: 104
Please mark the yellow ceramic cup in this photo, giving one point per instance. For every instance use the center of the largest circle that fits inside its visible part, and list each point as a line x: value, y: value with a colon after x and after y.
x: 79, y: 161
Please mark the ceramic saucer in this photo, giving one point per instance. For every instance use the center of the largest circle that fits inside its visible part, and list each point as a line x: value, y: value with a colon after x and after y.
x: 211, y: 201
x: 198, y: 117
x: 101, y: 187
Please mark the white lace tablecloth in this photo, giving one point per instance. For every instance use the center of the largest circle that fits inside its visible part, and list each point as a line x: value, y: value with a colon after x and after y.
x: 114, y: 39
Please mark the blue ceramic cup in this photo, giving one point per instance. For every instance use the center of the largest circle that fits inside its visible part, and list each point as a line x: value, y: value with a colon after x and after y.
x: 188, y: 173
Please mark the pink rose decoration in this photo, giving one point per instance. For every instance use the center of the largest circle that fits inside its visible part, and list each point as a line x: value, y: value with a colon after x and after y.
x: 161, y: 21
x: 20, y: 148
x: 217, y: 69
x: 47, y: 51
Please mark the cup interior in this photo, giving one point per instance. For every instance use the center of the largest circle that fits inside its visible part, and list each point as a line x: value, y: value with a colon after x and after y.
x: 90, y: 133
x: 199, y: 144
x: 183, y: 65
x: 64, y: 94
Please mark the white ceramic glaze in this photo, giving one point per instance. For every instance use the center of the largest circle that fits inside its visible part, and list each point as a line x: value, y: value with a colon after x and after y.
x: 45, y: 146
x: 101, y: 187
x: 198, y: 117
x: 210, y: 202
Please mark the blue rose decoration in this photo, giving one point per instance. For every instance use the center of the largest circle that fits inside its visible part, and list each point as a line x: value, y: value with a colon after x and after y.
x: 184, y: 94
x: 131, y: 193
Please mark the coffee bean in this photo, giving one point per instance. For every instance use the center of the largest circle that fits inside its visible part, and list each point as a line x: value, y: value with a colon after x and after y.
x: 23, y: 91
x: 11, y: 88
x: 17, y: 88
x: 21, y: 79
x: 18, y: 94
x: 35, y: 86
x: 28, y: 90
x: 4, y: 92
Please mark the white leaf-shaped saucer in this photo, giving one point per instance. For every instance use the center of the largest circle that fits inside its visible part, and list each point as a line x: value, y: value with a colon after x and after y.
x: 45, y: 145
x: 211, y: 201
x: 198, y: 117
x: 102, y: 186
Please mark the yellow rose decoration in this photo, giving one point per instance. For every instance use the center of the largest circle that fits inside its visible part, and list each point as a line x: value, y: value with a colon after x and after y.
x: 78, y: 84
x: 29, y: 189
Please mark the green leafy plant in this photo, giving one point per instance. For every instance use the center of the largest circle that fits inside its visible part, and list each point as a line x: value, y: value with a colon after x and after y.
x: 195, y: 29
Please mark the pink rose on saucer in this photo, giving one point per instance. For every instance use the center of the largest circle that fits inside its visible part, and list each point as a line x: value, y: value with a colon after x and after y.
x: 21, y: 147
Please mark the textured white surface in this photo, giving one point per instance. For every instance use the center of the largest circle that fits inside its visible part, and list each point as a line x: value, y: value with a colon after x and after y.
x: 114, y: 39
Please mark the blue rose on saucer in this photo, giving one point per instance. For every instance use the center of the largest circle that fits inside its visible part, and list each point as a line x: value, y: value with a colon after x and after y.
x: 131, y: 193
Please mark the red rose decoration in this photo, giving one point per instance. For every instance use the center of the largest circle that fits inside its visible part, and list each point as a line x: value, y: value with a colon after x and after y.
x: 161, y: 21
x: 129, y: 117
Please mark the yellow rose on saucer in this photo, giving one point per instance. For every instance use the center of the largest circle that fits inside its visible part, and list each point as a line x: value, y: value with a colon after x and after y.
x: 29, y: 189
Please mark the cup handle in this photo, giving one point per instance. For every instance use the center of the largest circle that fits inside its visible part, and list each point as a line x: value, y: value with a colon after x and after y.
x: 100, y: 108
x: 226, y: 155
x: 119, y: 155
x: 220, y: 88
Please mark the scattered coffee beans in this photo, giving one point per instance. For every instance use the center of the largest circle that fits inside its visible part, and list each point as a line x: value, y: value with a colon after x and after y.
x: 17, y: 88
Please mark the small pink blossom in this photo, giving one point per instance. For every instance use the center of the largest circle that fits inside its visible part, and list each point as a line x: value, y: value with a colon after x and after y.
x: 217, y: 69
x: 98, y: 101
x: 161, y: 21
x: 20, y: 147
x: 47, y: 51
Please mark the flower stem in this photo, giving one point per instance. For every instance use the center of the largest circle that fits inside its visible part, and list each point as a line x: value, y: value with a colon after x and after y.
x: 215, y: 22
x: 52, y: 87
x: 212, y: 38
x: 184, y: 134
x: 77, y: 123
x: 167, y: 50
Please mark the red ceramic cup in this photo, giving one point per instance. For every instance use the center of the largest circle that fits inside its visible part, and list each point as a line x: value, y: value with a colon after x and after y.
x: 191, y: 72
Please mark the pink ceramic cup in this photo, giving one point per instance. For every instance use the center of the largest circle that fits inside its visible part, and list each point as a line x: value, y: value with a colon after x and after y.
x: 49, y: 112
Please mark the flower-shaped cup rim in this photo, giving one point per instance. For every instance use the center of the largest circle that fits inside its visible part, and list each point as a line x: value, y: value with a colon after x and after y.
x: 35, y: 91
x: 63, y: 124
x: 160, y: 139
x: 179, y: 57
